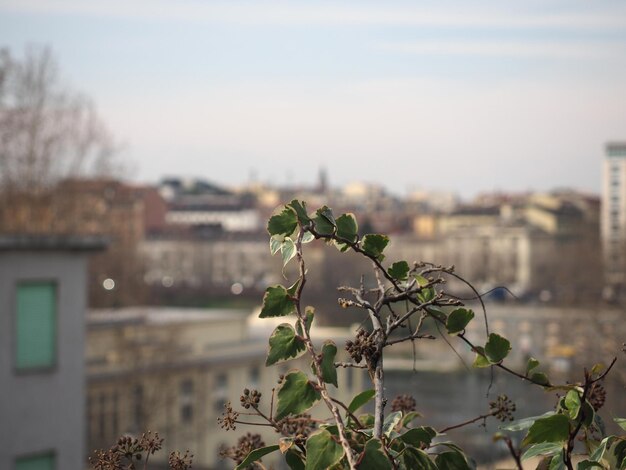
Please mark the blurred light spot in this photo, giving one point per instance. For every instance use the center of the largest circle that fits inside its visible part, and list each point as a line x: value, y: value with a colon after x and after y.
x: 236, y: 288
x: 108, y: 284
x: 167, y: 281
x: 545, y: 296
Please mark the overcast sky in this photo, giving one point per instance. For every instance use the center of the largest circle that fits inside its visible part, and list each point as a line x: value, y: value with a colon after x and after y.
x: 456, y: 95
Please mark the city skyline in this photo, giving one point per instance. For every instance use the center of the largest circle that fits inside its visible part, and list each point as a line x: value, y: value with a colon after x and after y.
x: 409, y: 95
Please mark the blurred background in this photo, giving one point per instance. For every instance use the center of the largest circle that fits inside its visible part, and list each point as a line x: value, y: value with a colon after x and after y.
x: 143, y: 146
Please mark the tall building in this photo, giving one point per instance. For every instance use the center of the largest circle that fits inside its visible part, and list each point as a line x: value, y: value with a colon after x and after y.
x: 42, y: 381
x: 614, y: 218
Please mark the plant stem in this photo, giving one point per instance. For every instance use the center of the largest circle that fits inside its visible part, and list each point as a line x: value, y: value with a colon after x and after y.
x: 379, y: 388
x: 316, y: 365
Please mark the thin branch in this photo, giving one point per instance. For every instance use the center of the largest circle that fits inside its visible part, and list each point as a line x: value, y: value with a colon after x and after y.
x: 350, y: 364
x: 354, y: 418
x: 254, y: 424
x: 476, y: 297
x: 465, y: 423
x: 411, y: 337
x: 482, y: 304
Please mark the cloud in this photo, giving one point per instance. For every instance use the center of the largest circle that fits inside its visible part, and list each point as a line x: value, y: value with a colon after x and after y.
x: 328, y: 13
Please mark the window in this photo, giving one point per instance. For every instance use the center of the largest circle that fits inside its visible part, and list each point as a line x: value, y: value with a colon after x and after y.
x: 102, y: 416
x: 220, y: 392
x: 35, y: 325
x: 253, y: 380
x: 138, y: 407
x: 39, y: 462
x: 186, y: 401
x: 114, y: 414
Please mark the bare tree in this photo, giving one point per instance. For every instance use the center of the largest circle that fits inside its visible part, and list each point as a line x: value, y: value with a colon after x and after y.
x: 47, y: 131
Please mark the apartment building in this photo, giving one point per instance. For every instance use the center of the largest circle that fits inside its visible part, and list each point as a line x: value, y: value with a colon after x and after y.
x: 42, y: 380
x: 613, y: 220
x: 171, y: 370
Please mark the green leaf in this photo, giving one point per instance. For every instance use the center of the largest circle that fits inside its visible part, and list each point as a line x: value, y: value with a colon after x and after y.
x: 331, y: 428
x: 256, y: 454
x: 325, y: 221
x: 309, y: 314
x: 294, y: 461
x: 285, y: 443
x: 619, y: 452
x: 307, y: 237
x: 374, y: 245
x: 597, y: 368
x: 367, y: 419
x: 322, y: 451
x: 283, y: 223
x: 532, y: 364
x: 598, y: 454
x: 276, y: 302
x: 586, y: 464
x: 292, y: 289
x: 287, y: 250
x: 497, y: 348
x: 275, y: 244
x: 296, y: 395
x: 328, y: 369
x: 439, y: 312
x: 427, y: 293
x: 525, y: 423
x: 545, y: 448
x: 554, y: 428
x: 419, y: 437
x: 300, y: 209
x: 480, y: 360
x: 373, y: 457
x: 621, y: 422
x: 410, y: 416
x: 347, y: 227
x: 572, y: 403
x: 458, y: 320
x: 417, y: 459
x: 598, y: 423
x: 361, y: 399
x: 391, y: 421
x: 399, y: 270
x: 452, y: 460
x: 540, y: 378
x: 557, y: 462
x: 284, y: 345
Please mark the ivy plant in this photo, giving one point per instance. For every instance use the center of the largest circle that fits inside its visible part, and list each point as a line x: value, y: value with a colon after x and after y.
x: 402, y: 298
x: 397, y: 305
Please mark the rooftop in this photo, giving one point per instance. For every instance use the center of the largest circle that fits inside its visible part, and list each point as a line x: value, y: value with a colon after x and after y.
x: 160, y: 315
x: 30, y: 242
x: 616, y: 149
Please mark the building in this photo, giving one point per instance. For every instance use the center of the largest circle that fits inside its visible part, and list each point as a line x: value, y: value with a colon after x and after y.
x: 199, y: 203
x: 613, y: 220
x: 212, y: 263
x: 171, y: 370
x: 42, y: 380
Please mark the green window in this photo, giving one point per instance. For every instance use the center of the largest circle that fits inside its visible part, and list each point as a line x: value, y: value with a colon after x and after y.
x: 35, y: 326
x: 39, y: 462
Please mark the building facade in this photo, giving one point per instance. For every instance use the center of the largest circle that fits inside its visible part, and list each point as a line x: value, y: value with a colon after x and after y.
x: 613, y: 223
x: 42, y: 380
x: 171, y: 370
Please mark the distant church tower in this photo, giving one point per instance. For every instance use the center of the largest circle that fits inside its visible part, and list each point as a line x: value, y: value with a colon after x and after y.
x: 322, y: 183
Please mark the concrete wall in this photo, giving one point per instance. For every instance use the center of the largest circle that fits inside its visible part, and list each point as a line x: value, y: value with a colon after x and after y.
x: 44, y: 411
